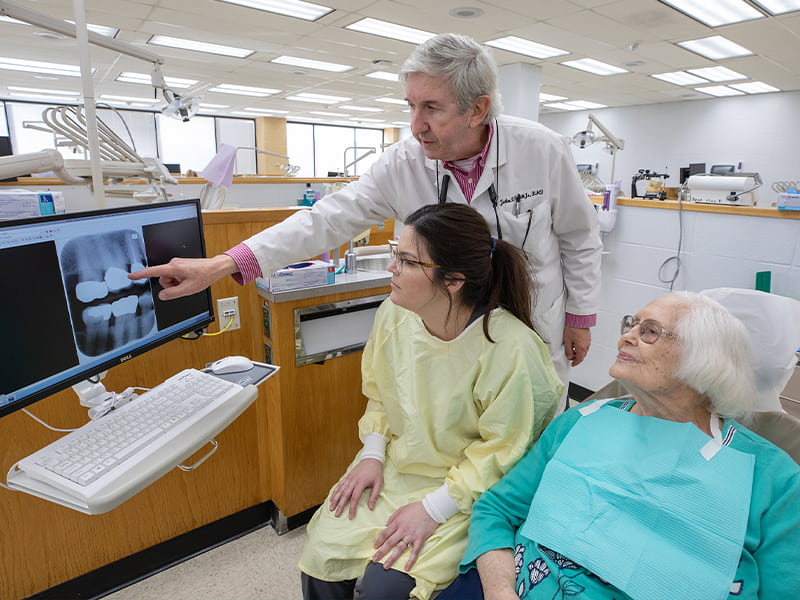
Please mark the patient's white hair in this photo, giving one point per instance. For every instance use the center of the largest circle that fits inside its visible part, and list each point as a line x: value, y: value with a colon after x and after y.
x: 715, y: 356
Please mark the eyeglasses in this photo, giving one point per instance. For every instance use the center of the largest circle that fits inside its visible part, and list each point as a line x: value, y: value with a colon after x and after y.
x: 649, y: 329
x: 401, y: 261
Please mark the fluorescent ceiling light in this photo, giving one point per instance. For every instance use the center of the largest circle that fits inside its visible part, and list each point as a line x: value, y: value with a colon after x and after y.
x: 720, y: 90
x: 129, y: 99
x: 526, y: 47
x: 550, y: 97
x: 716, y: 12
x: 101, y: 29
x: 392, y: 101
x: 327, y: 114
x: 308, y: 63
x: 145, y: 78
x: 679, y: 78
x: 401, y: 123
x: 594, y: 66
x: 210, y: 106
x: 35, y: 66
x: 364, y: 120
x: 385, y: 75
x: 563, y: 106
x: 14, y: 88
x: 172, y: 42
x: 49, y: 98
x: 717, y: 74
x: 586, y: 104
x: 267, y: 110
x: 715, y: 47
x: 390, y: 30
x: 243, y: 90
x: 778, y: 7
x: 317, y: 98
x: 290, y: 8
x: 362, y: 109
x: 754, y: 87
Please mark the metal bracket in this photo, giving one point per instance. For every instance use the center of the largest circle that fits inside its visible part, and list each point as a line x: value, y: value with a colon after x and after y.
x: 214, y: 446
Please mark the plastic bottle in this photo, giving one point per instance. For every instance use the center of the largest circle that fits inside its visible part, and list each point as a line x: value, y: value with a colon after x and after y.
x: 309, y: 197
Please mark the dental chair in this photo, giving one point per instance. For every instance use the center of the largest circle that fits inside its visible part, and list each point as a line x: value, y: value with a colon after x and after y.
x: 773, y: 323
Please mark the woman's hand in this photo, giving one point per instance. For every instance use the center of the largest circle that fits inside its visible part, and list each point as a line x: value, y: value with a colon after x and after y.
x: 368, y: 473
x: 408, y: 528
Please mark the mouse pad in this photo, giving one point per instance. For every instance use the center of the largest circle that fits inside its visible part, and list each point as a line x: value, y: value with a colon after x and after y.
x: 258, y: 373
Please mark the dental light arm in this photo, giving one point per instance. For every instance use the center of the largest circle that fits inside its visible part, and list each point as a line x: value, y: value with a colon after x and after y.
x: 587, y: 137
x: 369, y: 150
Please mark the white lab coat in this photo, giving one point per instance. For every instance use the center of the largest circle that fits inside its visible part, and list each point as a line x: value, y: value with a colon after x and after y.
x: 533, y: 171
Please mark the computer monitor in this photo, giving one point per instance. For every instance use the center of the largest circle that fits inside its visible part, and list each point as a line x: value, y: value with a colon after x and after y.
x: 69, y: 309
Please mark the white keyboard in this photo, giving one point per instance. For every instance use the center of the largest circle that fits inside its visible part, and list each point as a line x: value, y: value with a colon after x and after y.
x: 105, y: 462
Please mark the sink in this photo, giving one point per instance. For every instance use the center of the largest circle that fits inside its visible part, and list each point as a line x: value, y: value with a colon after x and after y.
x: 375, y: 263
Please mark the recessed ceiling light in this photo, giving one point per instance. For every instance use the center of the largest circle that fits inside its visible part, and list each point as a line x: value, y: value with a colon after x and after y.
x: 327, y: 114
x: 466, y: 12
x: 311, y: 64
x: 383, y: 75
x: 550, y: 97
x: 362, y: 109
x: 563, y: 106
x: 291, y: 8
x: 204, y: 105
x: 526, y: 47
x: 101, y: 29
x: 679, y: 78
x: 717, y: 74
x: 243, y: 90
x: 715, y: 47
x: 716, y: 12
x: 267, y: 110
x: 586, y: 104
x: 392, y: 101
x: 779, y: 7
x: 720, y: 90
x: 20, y: 90
x: 594, y: 66
x: 390, y: 30
x: 754, y: 87
x: 317, y: 98
x: 129, y: 99
x: 35, y: 66
x: 144, y: 78
x: 401, y: 123
x: 173, y: 42
x: 365, y: 120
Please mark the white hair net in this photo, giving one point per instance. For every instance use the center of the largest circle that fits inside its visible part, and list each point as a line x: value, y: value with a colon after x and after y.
x: 773, y: 323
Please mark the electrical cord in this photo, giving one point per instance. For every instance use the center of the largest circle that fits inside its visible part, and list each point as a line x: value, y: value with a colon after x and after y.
x: 230, y: 322
x: 677, y: 257
x: 50, y: 427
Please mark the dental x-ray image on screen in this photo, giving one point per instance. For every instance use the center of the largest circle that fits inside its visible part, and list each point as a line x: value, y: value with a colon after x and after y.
x: 108, y: 310
x: 71, y: 310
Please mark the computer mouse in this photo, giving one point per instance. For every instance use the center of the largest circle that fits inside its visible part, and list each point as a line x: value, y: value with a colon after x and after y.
x: 231, y: 364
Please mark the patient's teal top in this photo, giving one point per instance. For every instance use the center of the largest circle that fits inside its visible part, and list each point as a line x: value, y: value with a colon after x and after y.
x: 768, y: 565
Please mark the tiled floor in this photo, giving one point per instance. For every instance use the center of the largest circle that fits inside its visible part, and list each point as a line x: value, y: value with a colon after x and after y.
x: 259, y: 566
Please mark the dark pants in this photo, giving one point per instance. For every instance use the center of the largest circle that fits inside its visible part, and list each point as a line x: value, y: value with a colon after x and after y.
x: 466, y: 586
x: 377, y: 583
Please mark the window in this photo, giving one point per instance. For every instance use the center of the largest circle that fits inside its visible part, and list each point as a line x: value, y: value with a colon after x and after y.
x: 192, y: 144
x: 300, y: 147
x: 319, y: 149
x: 239, y: 132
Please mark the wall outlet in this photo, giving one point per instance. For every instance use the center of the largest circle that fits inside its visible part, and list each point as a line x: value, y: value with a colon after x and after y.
x: 227, y: 308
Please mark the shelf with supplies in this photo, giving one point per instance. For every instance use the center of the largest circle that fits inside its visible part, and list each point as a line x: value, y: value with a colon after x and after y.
x: 751, y: 211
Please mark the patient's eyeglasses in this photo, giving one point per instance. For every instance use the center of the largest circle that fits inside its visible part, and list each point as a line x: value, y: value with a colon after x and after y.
x: 649, y: 329
x: 401, y: 261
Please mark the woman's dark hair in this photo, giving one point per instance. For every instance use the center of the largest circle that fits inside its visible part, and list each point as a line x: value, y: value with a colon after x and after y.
x: 496, y: 273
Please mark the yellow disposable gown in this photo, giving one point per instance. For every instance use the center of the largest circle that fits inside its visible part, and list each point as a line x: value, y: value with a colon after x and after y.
x: 460, y: 412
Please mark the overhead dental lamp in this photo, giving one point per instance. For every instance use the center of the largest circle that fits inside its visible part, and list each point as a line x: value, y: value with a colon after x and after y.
x: 178, y: 106
x: 587, y: 137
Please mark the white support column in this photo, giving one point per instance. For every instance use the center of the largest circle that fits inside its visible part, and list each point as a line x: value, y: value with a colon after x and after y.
x: 519, y: 85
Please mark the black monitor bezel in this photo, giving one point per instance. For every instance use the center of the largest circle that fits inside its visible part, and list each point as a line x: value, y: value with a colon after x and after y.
x: 128, y: 355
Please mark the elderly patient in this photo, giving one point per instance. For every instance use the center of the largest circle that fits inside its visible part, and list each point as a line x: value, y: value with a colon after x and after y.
x: 662, y: 494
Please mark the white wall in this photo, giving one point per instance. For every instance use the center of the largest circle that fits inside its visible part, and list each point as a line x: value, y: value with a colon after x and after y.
x: 718, y: 250
x: 760, y: 131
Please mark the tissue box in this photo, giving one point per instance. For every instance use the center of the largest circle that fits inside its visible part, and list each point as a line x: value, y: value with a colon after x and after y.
x: 305, y: 274
x: 789, y: 201
x: 21, y: 204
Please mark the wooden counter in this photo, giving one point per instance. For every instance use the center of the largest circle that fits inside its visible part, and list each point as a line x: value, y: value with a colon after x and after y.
x: 727, y: 209
x: 44, y: 544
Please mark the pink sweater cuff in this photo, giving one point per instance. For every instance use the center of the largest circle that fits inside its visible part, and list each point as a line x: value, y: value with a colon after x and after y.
x: 582, y: 321
x: 247, y: 263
